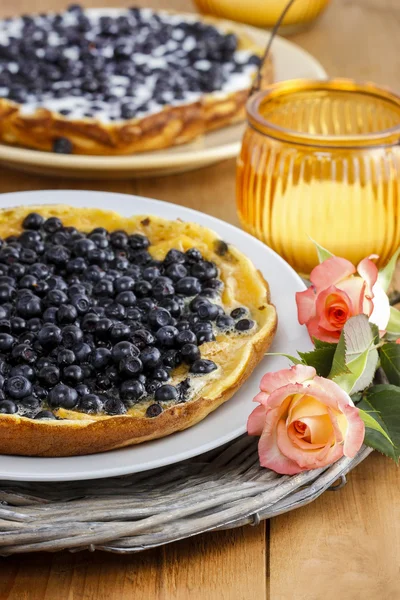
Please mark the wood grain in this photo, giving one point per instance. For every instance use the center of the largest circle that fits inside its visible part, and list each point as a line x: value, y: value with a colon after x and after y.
x: 346, y: 544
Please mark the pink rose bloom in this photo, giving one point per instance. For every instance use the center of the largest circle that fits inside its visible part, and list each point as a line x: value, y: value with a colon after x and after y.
x: 305, y: 421
x: 340, y: 291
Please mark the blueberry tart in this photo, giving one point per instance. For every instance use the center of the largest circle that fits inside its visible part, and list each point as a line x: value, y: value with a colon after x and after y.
x: 120, y: 81
x: 115, y: 330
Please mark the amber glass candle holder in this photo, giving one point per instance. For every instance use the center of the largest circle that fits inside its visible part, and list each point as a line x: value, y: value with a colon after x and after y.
x: 321, y: 160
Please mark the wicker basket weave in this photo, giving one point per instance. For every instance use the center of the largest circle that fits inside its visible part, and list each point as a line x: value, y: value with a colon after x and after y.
x: 222, y: 489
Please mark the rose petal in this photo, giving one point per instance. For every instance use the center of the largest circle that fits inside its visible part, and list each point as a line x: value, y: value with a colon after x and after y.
x: 369, y: 272
x: 320, y: 427
x: 355, y: 288
x: 330, y: 272
x: 381, y: 312
x: 256, y: 421
x: 305, y: 406
x: 270, y: 455
x: 355, y: 432
x: 330, y: 392
x: 296, y: 374
x: 311, y: 459
x: 315, y: 331
x: 261, y: 397
x: 333, y: 296
x: 305, y: 305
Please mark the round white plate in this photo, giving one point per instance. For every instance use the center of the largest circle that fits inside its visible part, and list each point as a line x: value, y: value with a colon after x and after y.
x: 290, y: 62
x: 229, y: 420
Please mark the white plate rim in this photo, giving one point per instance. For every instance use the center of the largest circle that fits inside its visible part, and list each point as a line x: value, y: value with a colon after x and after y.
x: 8, y: 199
x: 149, y: 160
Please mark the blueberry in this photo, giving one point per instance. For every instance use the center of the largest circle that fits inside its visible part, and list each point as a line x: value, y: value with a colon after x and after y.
x: 90, y: 404
x: 186, y: 337
x: 82, y: 389
x: 82, y: 352
x: 18, y: 387
x: 97, y: 256
x: 81, y: 304
x: 162, y: 288
x: 207, y: 310
x: 176, y: 271
x: 7, y: 292
x: 204, y: 270
x: 82, y: 247
x: 142, y: 338
x: 6, y: 342
x: 131, y: 391
x: 50, y: 375
x: 142, y: 288
x: 174, y: 304
x: 104, y: 288
x: 203, y: 367
x: 225, y: 322
x: 24, y: 370
x: 130, y: 366
x: 65, y: 357
x: 190, y: 353
x: 120, y: 331
x: 160, y: 374
x: 174, y: 256
x: 35, y: 324
x: 153, y: 410
x: 193, y: 255
x: 62, y: 145
x: 66, y: 313
x: 7, y: 407
x: 30, y: 403
x: 103, y: 327
x: 45, y: 414
x: 150, y: 357
x: 5, y: 326
x: 63, y: 396
x: 73, y: 374
x: 126, y: 298
x: 188, y: 286
x: 151, y: 273
x: 114, y: 406
x: 119, y: 239
x: 159, y: 317
x: 17, y: 270
x: 244, y: 325
x: 204, y: 336
x: 55, y: 297
x: 122, y: 350
x: 33, y: 221
x: 138, y: 241
x: 100, y: 358
x: 171, y: 359
x: 57, y: 255
x: 49, y: 335
x: 238, y: 313
x: 166, y: 336
x: 166, y: 393
x: 115, y: 311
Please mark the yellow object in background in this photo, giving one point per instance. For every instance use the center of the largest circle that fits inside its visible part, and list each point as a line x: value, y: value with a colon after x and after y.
x: 264, y: 13
x: 321, y: 159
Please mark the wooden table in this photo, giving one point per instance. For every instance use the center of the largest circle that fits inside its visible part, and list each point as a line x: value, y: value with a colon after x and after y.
x: 344, y: 545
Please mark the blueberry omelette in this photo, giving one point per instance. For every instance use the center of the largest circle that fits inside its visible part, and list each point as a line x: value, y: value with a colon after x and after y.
x: 119, y: 81
x: 114, y: 330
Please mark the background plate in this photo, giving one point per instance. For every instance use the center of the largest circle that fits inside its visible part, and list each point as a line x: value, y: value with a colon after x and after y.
x: 229, y: 420
x: 290, y: 62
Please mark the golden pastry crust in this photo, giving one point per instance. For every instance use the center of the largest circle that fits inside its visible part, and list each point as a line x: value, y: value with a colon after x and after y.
x: 171, y: 126
x: 236, y: 356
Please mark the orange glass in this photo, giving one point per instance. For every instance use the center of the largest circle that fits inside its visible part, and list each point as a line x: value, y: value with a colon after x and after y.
x: 265, y: 13
x: 321, y: 160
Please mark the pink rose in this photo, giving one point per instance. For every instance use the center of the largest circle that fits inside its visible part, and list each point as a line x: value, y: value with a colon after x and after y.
x: 305, y: 421
x: 338, y: 292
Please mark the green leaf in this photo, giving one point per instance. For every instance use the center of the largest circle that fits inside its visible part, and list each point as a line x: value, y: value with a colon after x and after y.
x: 373, y: 424
x: 386, y: 274
x: 355, y: 359
x: 322, y: 252
x: 390, y: 362
x: 294, y: 360
x: 393, y: 327
x: 320, y: 344
x: 320, y: 358
x: 383, y: 403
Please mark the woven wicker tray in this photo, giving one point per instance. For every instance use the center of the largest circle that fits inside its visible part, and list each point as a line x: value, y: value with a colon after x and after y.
x: 222, y: 489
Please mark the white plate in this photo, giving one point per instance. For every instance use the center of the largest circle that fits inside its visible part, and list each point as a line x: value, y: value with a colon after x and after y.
x: 229, y: 420
x: 290, y: 62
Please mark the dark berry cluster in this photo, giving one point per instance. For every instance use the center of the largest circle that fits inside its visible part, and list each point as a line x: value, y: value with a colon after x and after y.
x: 91, y: 322
x: 114, y: 67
